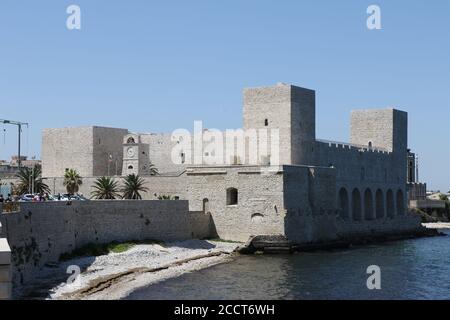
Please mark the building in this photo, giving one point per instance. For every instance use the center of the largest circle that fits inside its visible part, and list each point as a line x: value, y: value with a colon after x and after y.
x: 296, y: 186
x: 11, y: 168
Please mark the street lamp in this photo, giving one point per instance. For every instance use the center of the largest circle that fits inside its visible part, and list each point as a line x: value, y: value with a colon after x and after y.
x: 19, y: 127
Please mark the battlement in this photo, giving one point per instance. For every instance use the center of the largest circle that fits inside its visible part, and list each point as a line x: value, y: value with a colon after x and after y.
x: 353, y: 147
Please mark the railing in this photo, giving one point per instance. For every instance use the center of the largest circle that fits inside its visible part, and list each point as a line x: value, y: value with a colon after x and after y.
x: 354, y: 145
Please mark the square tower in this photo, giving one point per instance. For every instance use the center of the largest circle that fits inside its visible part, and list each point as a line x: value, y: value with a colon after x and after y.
x: 382, y: 128
x: 291, y: 110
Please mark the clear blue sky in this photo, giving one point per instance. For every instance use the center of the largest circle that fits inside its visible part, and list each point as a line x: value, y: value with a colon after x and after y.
x: 159, y: 65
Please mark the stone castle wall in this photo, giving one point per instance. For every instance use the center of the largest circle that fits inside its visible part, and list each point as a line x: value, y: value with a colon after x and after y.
x: 41, y: 232
x: 259, y: 207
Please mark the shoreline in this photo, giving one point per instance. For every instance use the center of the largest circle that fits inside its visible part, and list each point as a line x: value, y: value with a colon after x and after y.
x: 116, y: 275
x: 437, y: 225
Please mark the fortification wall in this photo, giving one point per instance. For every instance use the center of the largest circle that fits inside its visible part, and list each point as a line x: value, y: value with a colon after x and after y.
x: 41, y: 232
x: 372, y: 180
x: 310, y: 204
x: 259, y: 206
x: 174, y: 186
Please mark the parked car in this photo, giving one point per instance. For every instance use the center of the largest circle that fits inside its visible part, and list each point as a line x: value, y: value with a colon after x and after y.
x: 68, y: 197
x: 26, y: 198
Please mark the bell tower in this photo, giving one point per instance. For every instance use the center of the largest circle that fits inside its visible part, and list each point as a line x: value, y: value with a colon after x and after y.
x: 135, y: 156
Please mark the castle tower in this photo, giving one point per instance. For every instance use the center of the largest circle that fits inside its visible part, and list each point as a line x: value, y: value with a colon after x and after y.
x: 135, y: 156
x: 382, y: 128
x: 287, y: 108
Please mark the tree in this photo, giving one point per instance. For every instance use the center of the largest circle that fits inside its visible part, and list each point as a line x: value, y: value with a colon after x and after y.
x: 72, y: 181
x: 105, y: 188
x: 153, y: 170
x: 133, y: 185
x: 30, y: 178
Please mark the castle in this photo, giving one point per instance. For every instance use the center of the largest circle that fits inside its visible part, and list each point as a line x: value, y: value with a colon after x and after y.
x: 315, y: 190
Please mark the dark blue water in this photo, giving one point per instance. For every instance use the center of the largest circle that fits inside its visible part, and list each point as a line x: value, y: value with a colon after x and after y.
x: 411, y: 269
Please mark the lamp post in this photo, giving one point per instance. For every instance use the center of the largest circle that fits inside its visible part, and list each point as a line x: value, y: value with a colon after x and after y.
x: 19, y: 127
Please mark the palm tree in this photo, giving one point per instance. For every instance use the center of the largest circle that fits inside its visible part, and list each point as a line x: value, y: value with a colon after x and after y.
x: 72, y: 181
x: 133, y: 185
x: 29, y: 178
x: 153, y: 169
x: 105, y: 188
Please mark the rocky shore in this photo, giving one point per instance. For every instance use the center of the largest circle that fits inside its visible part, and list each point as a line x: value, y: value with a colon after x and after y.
x: 115, y: 275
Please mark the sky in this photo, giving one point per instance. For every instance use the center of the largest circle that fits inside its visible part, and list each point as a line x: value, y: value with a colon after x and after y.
x: 155, y: 66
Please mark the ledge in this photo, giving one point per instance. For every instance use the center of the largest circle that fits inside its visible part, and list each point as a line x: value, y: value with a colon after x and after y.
x: 5, y: 290
x: 205, y: 173
x: 5, y: 252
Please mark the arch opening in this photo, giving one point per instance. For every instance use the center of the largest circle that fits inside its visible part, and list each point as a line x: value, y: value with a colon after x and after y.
x: 343, y: 204
x: 206, y: 206
x: 232, y: 196
x: 390, y: 206
x: 257, y: 217
x: 379, y: 204
x: 356, y: 205
x: 368, y: 205
x: 400, y: 203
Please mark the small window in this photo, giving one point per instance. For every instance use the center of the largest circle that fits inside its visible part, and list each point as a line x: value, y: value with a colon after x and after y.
x: 130, y: 167
x: 266, y: 122
x: 370, y: 144
x: 183, y: 157
x: 232, y: 196
x: 131, y: 140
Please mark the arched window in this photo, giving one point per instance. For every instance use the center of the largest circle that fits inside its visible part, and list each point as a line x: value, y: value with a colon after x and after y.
x: 400, y: 203
x: 379, y: 204
x: 368, y: 205
x: 343, y: 204
x: 206, y: 206
x: 257, y: 218
x: 356, y: 205
x: 130, y: 167
x: 131, y: 140
x: 266, y: 122
x: 232, y: 196
x: 390, y: 206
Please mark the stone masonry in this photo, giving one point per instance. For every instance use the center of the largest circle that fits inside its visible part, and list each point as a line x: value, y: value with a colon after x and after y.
x: 318, y: 190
